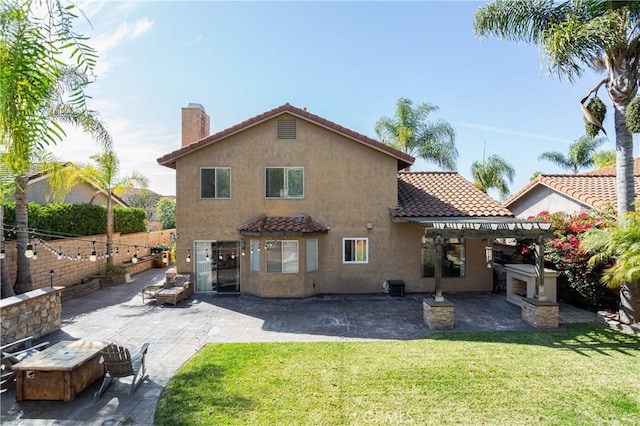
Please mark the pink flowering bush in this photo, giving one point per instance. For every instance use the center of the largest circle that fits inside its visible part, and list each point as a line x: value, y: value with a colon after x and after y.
x: 579, y: 282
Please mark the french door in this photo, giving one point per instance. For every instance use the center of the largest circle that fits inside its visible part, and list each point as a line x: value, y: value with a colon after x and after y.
x: 218, y: 266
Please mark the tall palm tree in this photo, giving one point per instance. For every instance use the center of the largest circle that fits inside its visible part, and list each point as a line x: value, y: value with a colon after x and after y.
x: 602, y: 35
x: 580, y: 155
x: 409, y: 131
x: 493, y: 173
x: 38, y: 94
x: 105, y: 175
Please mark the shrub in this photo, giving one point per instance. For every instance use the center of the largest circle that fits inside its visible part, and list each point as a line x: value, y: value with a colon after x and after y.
x: 53, y: 220
x: 578, y: 282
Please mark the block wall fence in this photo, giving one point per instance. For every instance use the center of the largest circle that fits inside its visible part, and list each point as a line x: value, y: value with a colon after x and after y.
x: 68, y: 272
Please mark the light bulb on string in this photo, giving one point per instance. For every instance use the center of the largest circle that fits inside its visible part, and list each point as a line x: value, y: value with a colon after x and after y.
x: 134, y: 259
x: 189, y: 256
x: 93, y: 252
x: 35, y: 253
x: 60, y: 255
x: 28, y: 253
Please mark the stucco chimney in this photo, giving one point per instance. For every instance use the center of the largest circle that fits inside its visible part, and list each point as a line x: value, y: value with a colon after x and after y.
x: 195, y: 124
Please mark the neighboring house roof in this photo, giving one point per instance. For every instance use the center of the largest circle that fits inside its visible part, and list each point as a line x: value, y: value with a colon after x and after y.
x: 130, y: 192
x: 443, y: 194
x: 611, y: 170
x: 594, y: 190
x: 404, y: 160
x: 36, y: 174
x: 299, y: 224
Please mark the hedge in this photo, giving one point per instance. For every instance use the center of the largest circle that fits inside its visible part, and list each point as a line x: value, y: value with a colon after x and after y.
x: 77, y: 219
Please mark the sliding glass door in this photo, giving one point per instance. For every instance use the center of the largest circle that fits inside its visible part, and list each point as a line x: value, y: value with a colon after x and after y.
x: 218, y: 266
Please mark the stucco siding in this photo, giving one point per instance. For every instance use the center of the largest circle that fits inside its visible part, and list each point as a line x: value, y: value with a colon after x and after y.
x: 542, y: 198
x: 346, y: 186
x: 81, y: 193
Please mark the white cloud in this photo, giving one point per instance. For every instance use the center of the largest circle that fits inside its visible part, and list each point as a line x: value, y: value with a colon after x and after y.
x: 527, y: 135
x: 141, y: 26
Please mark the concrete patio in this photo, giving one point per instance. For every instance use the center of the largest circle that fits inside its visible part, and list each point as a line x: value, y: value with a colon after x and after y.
x: 117, y: 314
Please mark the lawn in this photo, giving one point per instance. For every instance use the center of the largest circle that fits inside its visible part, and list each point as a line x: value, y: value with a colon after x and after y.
x: 579, y: 374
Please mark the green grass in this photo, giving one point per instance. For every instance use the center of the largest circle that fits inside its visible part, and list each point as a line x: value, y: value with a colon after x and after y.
x: 581, y: 374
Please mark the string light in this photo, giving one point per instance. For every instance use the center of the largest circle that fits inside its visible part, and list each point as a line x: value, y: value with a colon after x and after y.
x: 59, y: 252
x: 93, y: 252
x: 29, y: 251
x: 189, y: 256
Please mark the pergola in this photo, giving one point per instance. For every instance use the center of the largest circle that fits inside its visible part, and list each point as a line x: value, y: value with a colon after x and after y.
x: 441, y: 228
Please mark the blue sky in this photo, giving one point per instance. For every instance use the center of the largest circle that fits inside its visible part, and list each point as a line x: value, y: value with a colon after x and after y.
x: 348, y: 62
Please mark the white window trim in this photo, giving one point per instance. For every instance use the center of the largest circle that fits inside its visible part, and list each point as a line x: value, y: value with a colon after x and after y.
x: 284, y: 168
x: 214, y: 198
x: 351, y: 262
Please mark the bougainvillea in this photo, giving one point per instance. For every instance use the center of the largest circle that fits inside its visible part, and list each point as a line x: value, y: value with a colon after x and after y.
x: 562, y: 252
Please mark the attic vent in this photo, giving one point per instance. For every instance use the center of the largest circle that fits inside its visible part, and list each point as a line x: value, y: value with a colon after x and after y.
x: 286, y: 128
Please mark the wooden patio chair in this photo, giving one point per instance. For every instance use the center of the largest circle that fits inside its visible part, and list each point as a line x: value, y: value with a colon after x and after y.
x: 13, y: 353
x: 118, y: 362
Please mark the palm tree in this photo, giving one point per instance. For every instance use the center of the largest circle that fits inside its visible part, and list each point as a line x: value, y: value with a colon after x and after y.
x: 104, y: 175
x: 493, y: 174
x: 410, y: 132
x: 38, y: 95
x: 580, y: 155
x: 604, y: 158
x: 602, y: 35
x: 621, y: 245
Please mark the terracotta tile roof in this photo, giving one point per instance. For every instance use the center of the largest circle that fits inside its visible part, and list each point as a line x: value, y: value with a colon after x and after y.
x: 303, y: 224
x: 404, y: 160
x: 443, y: 194
x: 594, y: 190
x: 611, y: 170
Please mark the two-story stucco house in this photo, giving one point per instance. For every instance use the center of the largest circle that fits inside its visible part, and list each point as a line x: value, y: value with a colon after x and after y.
x: 289, y: 204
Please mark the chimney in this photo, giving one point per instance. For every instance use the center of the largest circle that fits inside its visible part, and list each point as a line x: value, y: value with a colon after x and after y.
x: 195, y: 124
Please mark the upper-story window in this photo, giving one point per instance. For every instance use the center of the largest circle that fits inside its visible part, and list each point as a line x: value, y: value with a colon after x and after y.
x: 285, y: 182
x: 286, y: 128
x: 215, y: 182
